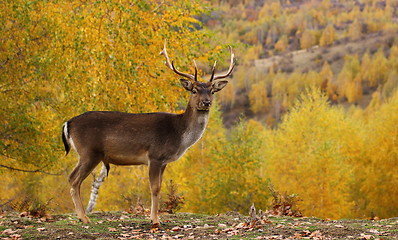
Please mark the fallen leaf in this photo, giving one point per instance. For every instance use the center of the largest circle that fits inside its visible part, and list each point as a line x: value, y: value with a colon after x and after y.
x: 242, y: 225
x: 176, y: 229
x: 366, y: 237
x: 126, y: 235
x: 8, y: 231
x: 297, y: 235
x: 279, y: 226
x: 154, y: 230
x: 16, y: 237
x: 316, y: 234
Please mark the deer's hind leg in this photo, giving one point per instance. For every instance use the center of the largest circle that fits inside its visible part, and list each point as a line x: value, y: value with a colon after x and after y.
x: 156, y: 171
x: 86, y: 165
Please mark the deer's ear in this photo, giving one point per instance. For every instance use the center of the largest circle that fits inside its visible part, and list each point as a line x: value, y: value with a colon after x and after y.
x: 187, y: 84
x: 217, y: 86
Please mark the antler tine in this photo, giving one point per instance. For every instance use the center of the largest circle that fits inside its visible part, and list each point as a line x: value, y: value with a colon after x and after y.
x: 196, y: 71
x: 213, y: 71
x: 164, y: 53
x: 231, y: 67
x: 171, y: 65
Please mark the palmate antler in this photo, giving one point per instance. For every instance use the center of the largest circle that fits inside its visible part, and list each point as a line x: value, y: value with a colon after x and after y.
x: 195, y: 77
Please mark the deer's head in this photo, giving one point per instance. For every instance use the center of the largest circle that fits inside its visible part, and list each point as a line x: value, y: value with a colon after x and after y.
x: 202, y: 92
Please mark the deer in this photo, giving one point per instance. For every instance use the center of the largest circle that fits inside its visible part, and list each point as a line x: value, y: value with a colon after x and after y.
x: 153, y: 139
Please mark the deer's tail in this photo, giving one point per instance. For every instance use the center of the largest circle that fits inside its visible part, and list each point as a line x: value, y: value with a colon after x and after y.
x: 65, y: 138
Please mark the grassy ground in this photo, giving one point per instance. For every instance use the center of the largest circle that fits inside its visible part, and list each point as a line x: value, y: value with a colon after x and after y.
x: 122, y: 225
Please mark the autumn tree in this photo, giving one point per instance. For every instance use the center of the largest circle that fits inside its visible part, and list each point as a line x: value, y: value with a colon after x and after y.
x: 380, y: 155
x: 281, y: 44
x: 366, y: 67
x: 355, y: 30
x: 234, y: 178
x: 327, y: 80
x: 350, y: 80
x: 307, y: 39
x: 310, y: 155
x: 227, y: 97
x: 378, y: 71
x: 191, y: 170
x: 258, y: 97
x: 328, y: 36
x: 59, y: 59
x: 391, y: 84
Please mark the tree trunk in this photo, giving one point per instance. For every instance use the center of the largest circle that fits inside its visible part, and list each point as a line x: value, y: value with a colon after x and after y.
x: 94, y: 190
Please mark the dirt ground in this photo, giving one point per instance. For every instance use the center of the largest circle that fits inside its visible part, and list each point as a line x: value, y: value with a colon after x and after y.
x: 232, y: 225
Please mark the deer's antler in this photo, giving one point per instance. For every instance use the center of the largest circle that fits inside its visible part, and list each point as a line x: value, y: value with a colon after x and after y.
x: 231, y: 67
x: 171, y: 66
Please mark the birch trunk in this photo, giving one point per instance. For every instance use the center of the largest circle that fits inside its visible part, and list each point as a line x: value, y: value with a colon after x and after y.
x: 94, y: 190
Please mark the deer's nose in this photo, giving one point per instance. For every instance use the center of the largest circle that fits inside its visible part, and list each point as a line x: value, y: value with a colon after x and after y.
x: 206, y: 103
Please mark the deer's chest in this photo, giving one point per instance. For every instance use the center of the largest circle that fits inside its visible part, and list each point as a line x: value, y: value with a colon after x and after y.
x: 190, y: 136
x: 194, y: 132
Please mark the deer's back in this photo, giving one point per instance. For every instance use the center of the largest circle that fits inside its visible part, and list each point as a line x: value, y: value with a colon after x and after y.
x: 125, y: 138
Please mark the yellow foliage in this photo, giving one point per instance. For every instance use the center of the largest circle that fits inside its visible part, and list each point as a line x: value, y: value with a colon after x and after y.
x: 281, y: 44
x: 380, y: 155
x: 59, y: 59
x: 328, y: 36
x: 310, y: 155
x: 227, y: 96
x: 327, y: 76
x: 307, y: 39
x: 259, y: 102
x: 354, y: 31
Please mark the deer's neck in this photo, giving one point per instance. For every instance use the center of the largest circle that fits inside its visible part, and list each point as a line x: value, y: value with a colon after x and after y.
x: 194, y: 123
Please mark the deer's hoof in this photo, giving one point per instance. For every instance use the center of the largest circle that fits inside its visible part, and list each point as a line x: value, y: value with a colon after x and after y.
x: 155, y: 225
x: 85, y: 219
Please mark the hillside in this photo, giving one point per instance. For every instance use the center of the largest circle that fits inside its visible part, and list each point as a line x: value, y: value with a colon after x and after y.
x: 306, y: 60
x: 284, y: 45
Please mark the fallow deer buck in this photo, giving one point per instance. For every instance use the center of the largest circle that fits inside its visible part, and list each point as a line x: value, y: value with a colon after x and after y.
x: 153, y: 139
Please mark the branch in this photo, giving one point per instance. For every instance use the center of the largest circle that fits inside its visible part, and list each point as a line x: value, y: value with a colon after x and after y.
x: 29, y: 171
x: 157, y: 8
x: 5, y: 62
x: 7, y: 202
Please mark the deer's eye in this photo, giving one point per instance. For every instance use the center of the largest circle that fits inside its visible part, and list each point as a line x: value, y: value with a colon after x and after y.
x: 194, y: 91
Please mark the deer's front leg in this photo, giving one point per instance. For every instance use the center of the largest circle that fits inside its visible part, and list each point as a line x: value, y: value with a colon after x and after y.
x: 155, y: 178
